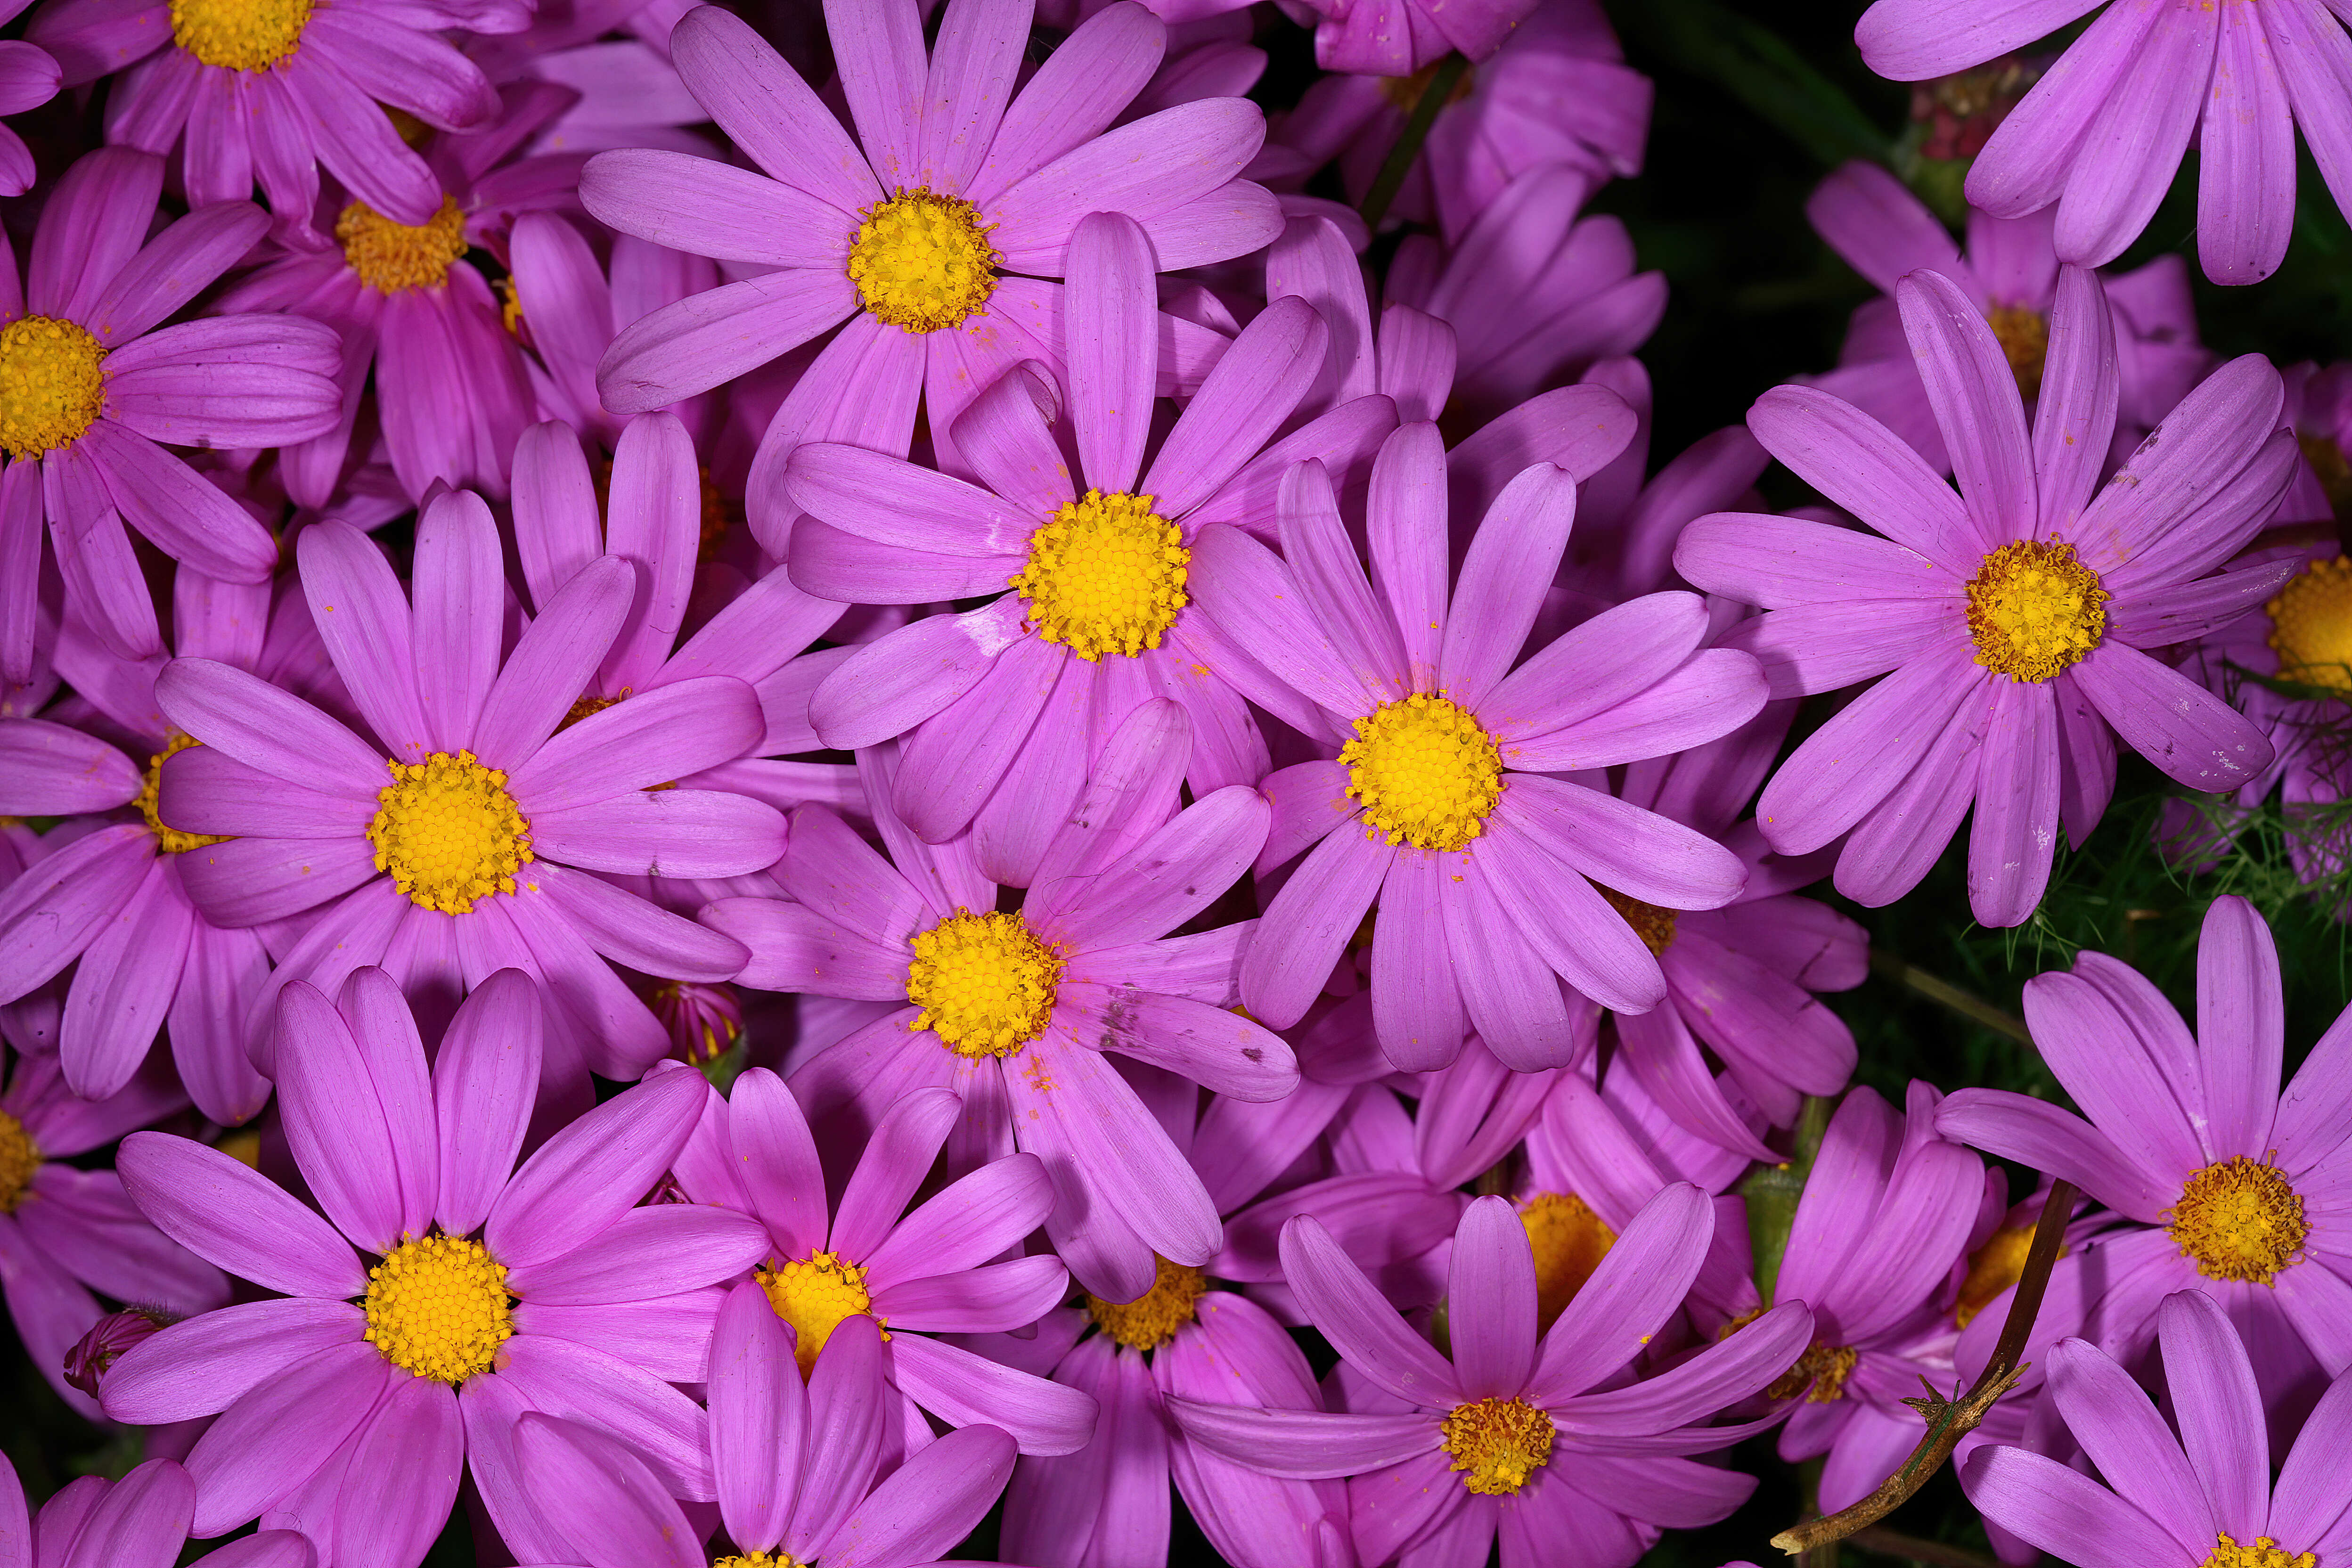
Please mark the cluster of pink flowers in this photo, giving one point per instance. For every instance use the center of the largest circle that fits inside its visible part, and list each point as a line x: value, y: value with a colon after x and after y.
x: 760, y: 809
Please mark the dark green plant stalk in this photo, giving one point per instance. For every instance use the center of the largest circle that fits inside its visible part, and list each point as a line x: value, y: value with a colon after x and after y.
x: 1772, y: 1193
x: 1400, y: 161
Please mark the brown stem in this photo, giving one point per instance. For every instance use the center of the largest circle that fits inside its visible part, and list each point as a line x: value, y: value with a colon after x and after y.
x: 1972, y: 1007
x: 1949, y: 1421
x: 1935, y: 1553
x: 1399, y: 162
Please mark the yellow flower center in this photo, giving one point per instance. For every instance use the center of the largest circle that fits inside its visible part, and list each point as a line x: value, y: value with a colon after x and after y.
x: 1569, y: 1241
x: 2024, y: 338
x: 1152, y: 1318
x: 1653, y: 925
x: 52, y: 384
x: 19, y: 1158
x: 815, y: 1295
x: 985, y: 983
x: 758, y: 1559
x: 1426, y: 773
x: 171, y: 839
x: 240, y: 35
x: 1499, y: 1441
x: 1825, y: 1366
x: 1106, y: 575
x: 390, y: 256
x: 2239, y: 1220
x: 2311, y: 625
x: 2034, y: 609
x: 922, y: 262
x: 1992, y: 1268
x: 437, y: 1307
x: 448, y: 832
x: 2264, y: 1552
x: 2326, y: 460
x: 589, y: 705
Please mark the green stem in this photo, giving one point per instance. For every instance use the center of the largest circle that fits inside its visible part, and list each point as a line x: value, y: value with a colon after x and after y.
x: 1391, y: 179
x: 1972, y: 1007
x: 1772, y: 1192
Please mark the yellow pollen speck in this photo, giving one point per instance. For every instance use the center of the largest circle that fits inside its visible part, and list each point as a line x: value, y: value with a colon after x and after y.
x: 1499, y: 1441
x: 1106, y: 575
x: 1653, y: 925
x: 438, y: 1308
x: 587, y: 706
x: 1428, y: 774
x: 171, y: 839
x: 1152, y: 1318
x: 2239, y: 1220
x: 2024, y: 338
x: 511, y: 311
x: 2266, y: 1552
x: 391, y: 257
x: 985, y: 983
x: 19, y: 1158
x: 1569, y: 1241
x: 922, y: 262
x: 815, y: 1295
x: 448, y: 832
x: 2034, y: 609
x: 2311, y: 625
x: 1992, y: 1268
x: 240, y: 35
x: 52, y: 384
x: 758, y: 1559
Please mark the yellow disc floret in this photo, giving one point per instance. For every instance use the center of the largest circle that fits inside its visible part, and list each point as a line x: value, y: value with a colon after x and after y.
x: 52, y: 384
x: 922, y: 262
x: 1992, y: 1268
x: 2239, y: 1220
x: 437, y: 1307
x: 2266, y: 1552
x: 171, y: 840
x: 815, y: 1295
x: 391, y: 257
x: 1569, y: 1241
x: 1152, y: 1318
x: 19, y: 1158
x: 2034, y: 609
x: 758, y: 1559
x: 2311, y: 625
x: 2024, y: 338
x: 240, y: 35
x: 448, y: 832
x: 1499, y: 1443
x: 1428, y: 774
x: 985, y: 983
x: 1653, y: 925
x: 1106, y: 575
x: 1824, y: 1366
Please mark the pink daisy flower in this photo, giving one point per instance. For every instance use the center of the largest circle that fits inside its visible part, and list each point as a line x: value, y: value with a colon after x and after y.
x: 1397, y: 37
x: 139, y: 1521
x: 939, y: 1267
x: 464, y: 836
x: 934, y: 234
x: 92, y: 386
x: 28, y: 78
x: 2101, y: 133
x: 266, y: 93
x: 2013, y: 615
x: 1436, y: 805
x: 352, y: 1402
x: 1015, y: 1011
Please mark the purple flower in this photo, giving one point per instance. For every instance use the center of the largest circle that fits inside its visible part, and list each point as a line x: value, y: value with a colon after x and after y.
x: 1509, y: 1435
x: 66, y: 1232
x: 2010, y: 272
x: 794, y: 1467
x: 1480, y: 869
x: 268, y: 92
x: 929, y: 232
x: 2012, y: 615
x: 351, y: 1403
x: 92, y: 386
x: 461, y: 839
x: 139, y: 1521
x: 28, y: 78
x: 2101, y: 133
x: 451, y: 393
x: 2203, y: 1498
x: 1015, y: 1011
x: 570, y: 306
x: 1398, y: 37
x: 629, y: 93
x: 2230, y: 1184
x: 917, y: 1273
x: 1015, y: 699
x: 1557, y: 91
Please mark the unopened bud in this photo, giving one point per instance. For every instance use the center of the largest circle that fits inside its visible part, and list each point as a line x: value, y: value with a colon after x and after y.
x: 112, y: 1335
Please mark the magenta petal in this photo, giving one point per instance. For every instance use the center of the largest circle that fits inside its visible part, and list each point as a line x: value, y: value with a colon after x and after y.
x: 48, y: 770
x: 972, y: 1220
x: 230, y: 1214
x: 276, y: 1436
x: 266, y: 728
x: 759, y: 1419
x: 633, y: 1518
x: 594, y: 1171
x: 485, y: 1079
x: 2045, y: 1503
x: 1640, y: 1280
x: 367, y: 1157
x: 961, y: 1388
x: 2220, y: 1408
x: 1306, y: 1445
x: 1113, y: 347
x: 929, y: 1504
x: 666, y: 833
x: 1492, y: 1291
x: 778, y: 1162
x: 1359, y: 1323
x: 203, y: 1365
